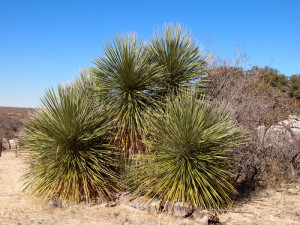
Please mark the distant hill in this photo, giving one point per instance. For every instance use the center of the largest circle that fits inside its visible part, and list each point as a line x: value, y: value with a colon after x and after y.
x: 12, y: 120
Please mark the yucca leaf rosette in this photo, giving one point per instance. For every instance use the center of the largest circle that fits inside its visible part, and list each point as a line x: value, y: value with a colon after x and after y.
x: 190, y: 140
x: 67, y: 146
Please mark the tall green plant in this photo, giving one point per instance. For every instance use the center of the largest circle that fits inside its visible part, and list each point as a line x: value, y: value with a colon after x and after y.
x: 67, y: 146
x: 175, y: 50
x: 190, y: 142
x: 125, y: 79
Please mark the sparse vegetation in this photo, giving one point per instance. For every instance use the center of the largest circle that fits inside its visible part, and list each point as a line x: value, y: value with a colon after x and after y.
x: 12, y: 121
x: 258, y: 101
x: 176, y: 119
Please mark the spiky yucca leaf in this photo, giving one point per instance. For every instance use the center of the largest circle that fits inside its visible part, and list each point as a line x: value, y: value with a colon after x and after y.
x: 66, y: 144
x: 175, y: 50
x: 190, y: 138
x: 125, y: 78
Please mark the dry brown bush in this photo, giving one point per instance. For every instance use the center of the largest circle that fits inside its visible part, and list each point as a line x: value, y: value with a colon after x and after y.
x: 11, y: 121
x: 255, y: 104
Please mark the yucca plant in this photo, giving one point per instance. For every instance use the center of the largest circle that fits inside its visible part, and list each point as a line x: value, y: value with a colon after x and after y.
x: 175, y: 50
x: 125, y: 79
x: 66, y: 144
x: 190, y: 141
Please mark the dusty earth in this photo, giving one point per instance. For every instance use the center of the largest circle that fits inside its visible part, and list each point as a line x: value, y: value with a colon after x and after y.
x: 280, y: 205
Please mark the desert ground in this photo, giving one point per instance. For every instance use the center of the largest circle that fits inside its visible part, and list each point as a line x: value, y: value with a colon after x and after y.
x: 277, y: 205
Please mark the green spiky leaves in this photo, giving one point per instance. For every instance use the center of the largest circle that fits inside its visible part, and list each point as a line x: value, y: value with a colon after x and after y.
x: 176, y: 51
x: 132, y: 73
x: 122, y: 101
x: 189, y: 162
x: 67, y: 146
x: 125, y: 79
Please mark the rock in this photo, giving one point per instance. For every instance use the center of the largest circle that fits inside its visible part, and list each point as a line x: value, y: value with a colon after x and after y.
x: 177, y: 209
x: 54, y: 203
x: 182, y: 209
x: 202, y: 216
x: 169, y: 208
x: 5, y: 144
x: 135, y: 205
x: 214, y: 219
x: 116, y: 196
x: 280, y: 134
x: 202, y: 220
x: 111, y: 204
x: 155, y: 206
x: 293, y: 190
x: 13, y: 144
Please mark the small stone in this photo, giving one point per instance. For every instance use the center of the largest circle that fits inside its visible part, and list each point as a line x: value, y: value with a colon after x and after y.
x: 152, y: 206
x: 5, y: 144
x: 182, y: 210
x: 54, y: 203
x: 135, y: 205
x: 156, y: 206
x: 214, y: 219
x: 293, y: 191
x: 117, y: 195
x: 203, y: 220
x: 202, y: 216
x: 13, y: 144
x: 111, y: 204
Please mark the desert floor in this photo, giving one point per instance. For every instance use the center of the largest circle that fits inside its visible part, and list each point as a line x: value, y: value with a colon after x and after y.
x: 279, y: 205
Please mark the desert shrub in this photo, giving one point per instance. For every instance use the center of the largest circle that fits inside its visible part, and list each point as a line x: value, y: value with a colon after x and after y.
x: 10, y: 126
x: 67, y: 147
x: 190, y: 141
x: 257, y: 105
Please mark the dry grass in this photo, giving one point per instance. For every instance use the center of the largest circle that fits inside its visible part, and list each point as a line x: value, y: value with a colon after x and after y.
x: 278, y: 205
x: 274, y: 206
x: 18, y: 208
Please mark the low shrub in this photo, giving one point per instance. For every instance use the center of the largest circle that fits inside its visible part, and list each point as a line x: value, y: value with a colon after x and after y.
x: 190, y: 141
x: 67, y: 147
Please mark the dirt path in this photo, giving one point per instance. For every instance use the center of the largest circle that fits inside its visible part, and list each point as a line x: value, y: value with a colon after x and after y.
x: 280, y: 206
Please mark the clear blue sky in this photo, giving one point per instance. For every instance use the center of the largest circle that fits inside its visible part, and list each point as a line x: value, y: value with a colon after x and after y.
x: 43, y: 43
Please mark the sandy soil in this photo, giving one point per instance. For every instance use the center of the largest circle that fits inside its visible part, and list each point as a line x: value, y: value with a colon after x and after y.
x: 277, y: 206
x: 18, y: 208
